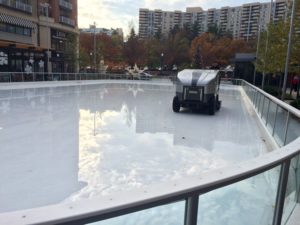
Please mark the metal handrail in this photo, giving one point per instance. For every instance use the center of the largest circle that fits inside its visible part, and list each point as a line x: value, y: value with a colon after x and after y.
x: 185, y: 189
x: 276, y: 100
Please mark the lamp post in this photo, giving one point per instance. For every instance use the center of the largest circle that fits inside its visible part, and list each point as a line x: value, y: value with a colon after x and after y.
x: 287, y: 61
x: 161, y: 63
x: 91, y: 55
x: 256, y: 55
x: 47, y: 6
x: 94, y: 47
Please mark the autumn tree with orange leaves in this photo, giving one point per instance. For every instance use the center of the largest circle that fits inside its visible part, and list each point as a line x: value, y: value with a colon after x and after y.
x: 217, y: 50
x: 108, y: 48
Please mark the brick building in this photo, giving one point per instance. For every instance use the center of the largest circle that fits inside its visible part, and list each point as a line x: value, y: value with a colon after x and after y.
x: 34, y: 35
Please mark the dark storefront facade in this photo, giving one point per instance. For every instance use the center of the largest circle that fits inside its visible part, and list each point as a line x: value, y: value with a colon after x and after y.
x: 14, y: 59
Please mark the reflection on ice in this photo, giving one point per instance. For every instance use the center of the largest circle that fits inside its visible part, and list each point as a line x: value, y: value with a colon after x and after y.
x: 64, y: 144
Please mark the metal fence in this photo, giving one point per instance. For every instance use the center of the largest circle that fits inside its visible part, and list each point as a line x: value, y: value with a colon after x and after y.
x: 189, y: 194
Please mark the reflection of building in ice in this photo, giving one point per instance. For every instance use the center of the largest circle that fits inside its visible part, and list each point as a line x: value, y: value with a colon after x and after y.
x: 156, y: 118
x: 135, y: 98
x: 40, y: 145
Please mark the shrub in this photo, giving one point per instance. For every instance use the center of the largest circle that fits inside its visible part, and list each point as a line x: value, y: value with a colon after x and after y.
x: 275, y: 91
x: 296, y: 103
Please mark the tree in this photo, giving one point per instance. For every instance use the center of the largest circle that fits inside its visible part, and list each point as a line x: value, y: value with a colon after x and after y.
x: 214, y: 29
x: 195, y: 30
x: 83, y: 59
x: 295, y: 57
x: 109, y: 48
x: 71, y: 57
x: 217, y: 50
x: 158, y: 34
x: 134, y: 50
x: 153, y: 50
x: 174, y: 30
x: 272, y: 52
x: 197, y: 59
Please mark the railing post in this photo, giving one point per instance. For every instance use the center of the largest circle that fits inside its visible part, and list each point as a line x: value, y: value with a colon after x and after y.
x: 276, y: 111
x: 267, y: 117
x: 297, y: 174
x: 286, y: 128
x: 256, y: 99
x: 191, y: 210
x: 262, y: 108
x: 280, y: 197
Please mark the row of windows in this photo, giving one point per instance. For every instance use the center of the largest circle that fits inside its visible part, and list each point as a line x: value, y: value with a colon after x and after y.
x: 15, y: 29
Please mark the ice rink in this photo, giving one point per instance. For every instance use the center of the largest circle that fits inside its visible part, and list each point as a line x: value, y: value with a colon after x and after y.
x: 63, y: 142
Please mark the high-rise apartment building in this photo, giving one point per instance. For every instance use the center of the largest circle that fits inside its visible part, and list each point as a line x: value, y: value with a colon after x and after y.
x: 97, y: 30
x: 34, y: 35
x: 242, y: 21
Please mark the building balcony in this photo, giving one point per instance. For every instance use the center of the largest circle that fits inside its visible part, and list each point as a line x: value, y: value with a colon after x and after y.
x: 67, y: 21
x: 17, y: 5
x: 65, y: 4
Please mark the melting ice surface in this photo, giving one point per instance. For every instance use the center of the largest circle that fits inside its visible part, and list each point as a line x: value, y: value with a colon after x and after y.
x: 62, y: 144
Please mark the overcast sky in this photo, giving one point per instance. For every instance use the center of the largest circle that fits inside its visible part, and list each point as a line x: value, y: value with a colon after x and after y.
x: 119, y: 13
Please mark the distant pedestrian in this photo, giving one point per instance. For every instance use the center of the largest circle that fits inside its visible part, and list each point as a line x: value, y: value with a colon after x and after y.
x: 295, y: 83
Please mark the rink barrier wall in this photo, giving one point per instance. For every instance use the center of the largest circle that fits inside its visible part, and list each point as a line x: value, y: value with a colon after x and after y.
x: 11, y: 77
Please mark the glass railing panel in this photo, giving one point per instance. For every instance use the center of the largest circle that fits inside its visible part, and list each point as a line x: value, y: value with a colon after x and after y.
x: 292, y: 191
x: 4, y: 77
x: 265, y: 109
x: 254, y: 97
x: 253, y: 92
x: 64, y: 76
x: 293, y: 131
x: 171, y: 214
x: 257, y: 99
x: 261, y: 104
x: 246, y: 202
x: 39, y: 77
x: 271, y: 117
x: 280, y: 125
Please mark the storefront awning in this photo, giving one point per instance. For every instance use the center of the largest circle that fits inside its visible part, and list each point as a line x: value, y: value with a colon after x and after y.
x: 8, y: 44
x: 17, y: 21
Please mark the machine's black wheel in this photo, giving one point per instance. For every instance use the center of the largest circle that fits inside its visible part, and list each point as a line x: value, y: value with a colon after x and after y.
x: 218, y: 103
x: 176, y: 104
x: 212, y: 106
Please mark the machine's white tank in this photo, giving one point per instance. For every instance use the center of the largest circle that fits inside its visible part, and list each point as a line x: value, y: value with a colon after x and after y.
x: 196, y: 77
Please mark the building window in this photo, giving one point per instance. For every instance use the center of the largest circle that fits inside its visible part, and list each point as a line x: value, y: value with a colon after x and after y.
x: 11, y: 29
x: 2, y: 27
x: 15, y: 29
x: 27, y: 32
x: 19, y: 30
